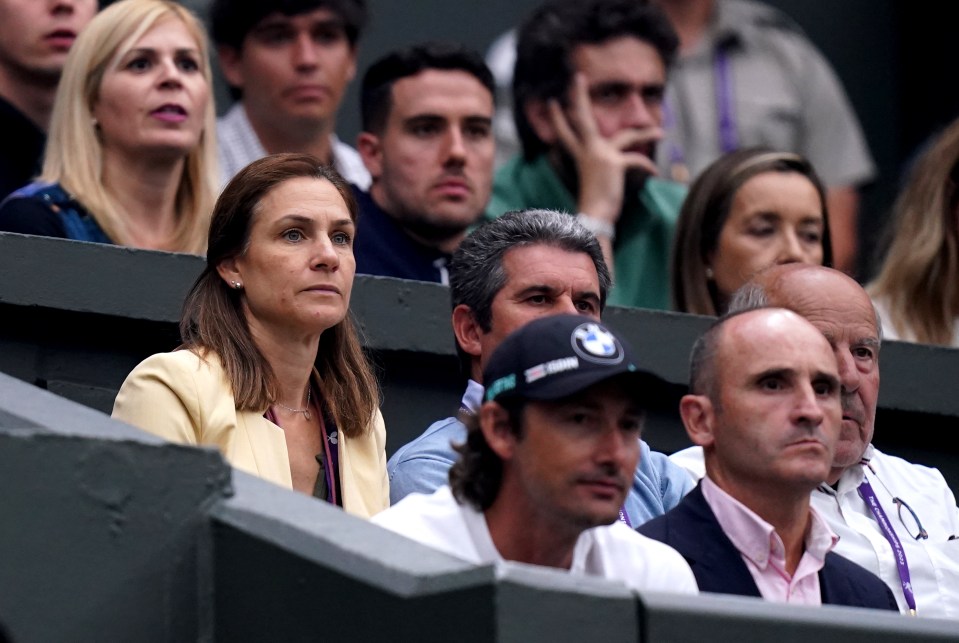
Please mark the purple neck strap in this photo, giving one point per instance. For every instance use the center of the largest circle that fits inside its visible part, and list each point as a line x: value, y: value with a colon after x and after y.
x: 869, y: 496
x: 725, y: 110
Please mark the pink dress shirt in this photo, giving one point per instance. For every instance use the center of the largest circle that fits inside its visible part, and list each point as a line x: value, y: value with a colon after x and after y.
x: 764, y: 553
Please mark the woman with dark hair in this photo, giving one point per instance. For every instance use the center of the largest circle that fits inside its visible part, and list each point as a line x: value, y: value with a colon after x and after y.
x: 750, y: 209
x: 271, y: 371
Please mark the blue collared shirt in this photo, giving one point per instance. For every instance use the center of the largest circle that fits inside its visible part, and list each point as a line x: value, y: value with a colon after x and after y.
x: 423, y: 466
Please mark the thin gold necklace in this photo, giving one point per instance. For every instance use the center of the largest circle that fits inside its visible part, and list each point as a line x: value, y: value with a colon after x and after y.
x: 305, y: 411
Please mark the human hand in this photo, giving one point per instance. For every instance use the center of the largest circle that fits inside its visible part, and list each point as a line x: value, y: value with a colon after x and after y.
x: 601, y: 163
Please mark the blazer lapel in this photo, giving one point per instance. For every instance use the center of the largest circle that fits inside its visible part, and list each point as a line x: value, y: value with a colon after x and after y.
x: 261, y: 446
x: 715, y: 561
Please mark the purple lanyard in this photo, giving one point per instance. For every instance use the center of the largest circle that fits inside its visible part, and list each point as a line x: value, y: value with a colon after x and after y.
x: 725, y: 110
x: 725, y: 102
x: 624, y: 518
x: 332, y: 459
x: 329, y: 447
x: 867, y: 494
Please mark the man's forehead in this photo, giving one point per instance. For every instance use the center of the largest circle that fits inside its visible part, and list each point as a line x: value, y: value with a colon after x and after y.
x: 307, y: 17
x: 413, y: 95
x: 798, y: 346
x: 522, y: 263
x: 632, y: 51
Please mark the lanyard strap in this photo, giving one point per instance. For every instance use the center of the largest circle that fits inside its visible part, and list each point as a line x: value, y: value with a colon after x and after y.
x: 867, y: 494
x: 725, y: 102
x: 623, y: 518
x: 725, y: 114
x: 332, y: 460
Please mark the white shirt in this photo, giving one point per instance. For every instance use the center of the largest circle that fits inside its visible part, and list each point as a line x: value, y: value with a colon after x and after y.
x: 238, y: 146
x: 933, y: 563
x: 614, y: 552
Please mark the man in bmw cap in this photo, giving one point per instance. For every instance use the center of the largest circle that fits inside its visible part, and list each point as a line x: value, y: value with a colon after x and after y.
x: 548, y: 460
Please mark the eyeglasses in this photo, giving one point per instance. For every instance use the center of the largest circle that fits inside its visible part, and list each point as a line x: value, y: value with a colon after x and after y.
x: 911, y: 521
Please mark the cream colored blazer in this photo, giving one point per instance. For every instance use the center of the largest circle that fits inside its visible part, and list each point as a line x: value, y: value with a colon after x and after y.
x: 185, y: 399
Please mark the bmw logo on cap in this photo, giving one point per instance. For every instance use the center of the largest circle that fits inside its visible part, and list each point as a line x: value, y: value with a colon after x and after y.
x: 595, y: 344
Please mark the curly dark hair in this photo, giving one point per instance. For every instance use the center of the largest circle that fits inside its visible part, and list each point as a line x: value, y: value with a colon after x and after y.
x: 476, y: 476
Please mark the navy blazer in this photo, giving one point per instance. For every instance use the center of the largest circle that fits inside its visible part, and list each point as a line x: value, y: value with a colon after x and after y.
x: 691, y: 529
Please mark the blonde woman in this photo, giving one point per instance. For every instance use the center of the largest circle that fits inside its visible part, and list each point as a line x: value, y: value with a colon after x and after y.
x: 130, y: 157
x: 917, y: 289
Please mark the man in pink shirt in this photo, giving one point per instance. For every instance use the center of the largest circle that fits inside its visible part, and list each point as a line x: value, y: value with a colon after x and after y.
x: 764, y: 405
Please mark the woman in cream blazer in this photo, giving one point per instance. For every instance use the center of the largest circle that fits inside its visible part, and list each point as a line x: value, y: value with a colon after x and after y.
x: 271, y: 372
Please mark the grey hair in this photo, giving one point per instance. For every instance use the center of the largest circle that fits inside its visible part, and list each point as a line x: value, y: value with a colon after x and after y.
x: 476, y: 270
x: 752, y: 296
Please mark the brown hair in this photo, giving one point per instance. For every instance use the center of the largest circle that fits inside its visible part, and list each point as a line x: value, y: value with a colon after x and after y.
x: 212, y: 313
x: 477, y: 475
x: 706, y: 210
x: 918, y: 282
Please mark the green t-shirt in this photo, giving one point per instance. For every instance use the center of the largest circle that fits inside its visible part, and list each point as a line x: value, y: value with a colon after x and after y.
x: 644, y: 236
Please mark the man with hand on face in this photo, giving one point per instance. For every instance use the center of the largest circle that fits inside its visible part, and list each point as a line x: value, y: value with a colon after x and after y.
x: 520, y: 267
x: 428, y: 145
x: 587, y: 95
x: 35, y: 37
x: 548, y: 461
x: 289, y: 62
x: 764, y: 405
x: 895, y: 518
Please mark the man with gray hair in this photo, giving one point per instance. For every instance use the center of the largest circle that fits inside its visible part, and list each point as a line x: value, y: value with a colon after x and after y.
x: 523, y: 266
x: 893, y: 517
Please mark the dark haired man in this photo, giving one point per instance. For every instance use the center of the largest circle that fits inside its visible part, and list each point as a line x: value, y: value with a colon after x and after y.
x: 587, y: 95
x: 289, y: 62
x: 520, y: 267
x: 764, y: 405
x: 548, y: 461
x: 35, y: 38
x: 427, y: 143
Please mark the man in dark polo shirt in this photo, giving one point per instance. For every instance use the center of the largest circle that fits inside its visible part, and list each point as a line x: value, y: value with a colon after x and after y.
x: 427, y: 142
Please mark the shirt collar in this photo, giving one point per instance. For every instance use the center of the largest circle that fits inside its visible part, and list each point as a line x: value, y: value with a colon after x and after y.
x: 473, y: 397
x: 852, y: 477
x: 820, y: 539
x: 755, y: 538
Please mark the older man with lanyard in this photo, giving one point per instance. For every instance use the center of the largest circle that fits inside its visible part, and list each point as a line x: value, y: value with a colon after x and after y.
x: 897, y: 519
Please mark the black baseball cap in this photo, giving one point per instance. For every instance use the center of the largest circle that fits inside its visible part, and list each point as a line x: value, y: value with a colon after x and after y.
x: 557, y: 356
